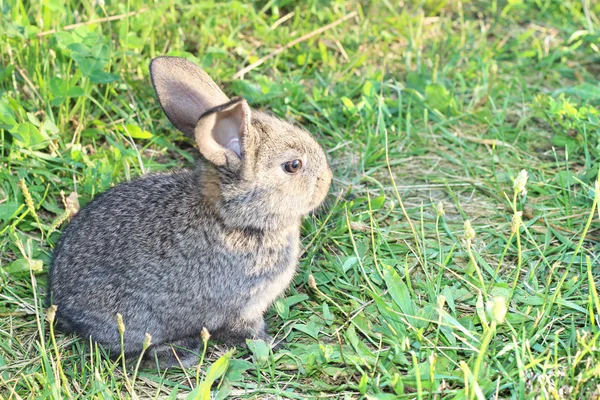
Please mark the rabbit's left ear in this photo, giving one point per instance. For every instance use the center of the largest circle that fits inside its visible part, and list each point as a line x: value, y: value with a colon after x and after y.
x: 223, y: 134
x: 184, y: 91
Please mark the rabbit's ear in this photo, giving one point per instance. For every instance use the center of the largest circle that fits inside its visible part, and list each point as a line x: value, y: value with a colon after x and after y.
x: 222, y: 134
x: 184, y: 91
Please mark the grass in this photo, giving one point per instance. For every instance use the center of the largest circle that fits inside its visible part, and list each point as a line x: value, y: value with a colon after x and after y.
x: 429, y: 111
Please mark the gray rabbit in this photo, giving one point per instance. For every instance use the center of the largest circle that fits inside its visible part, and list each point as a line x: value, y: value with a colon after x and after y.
x: 207, y: 247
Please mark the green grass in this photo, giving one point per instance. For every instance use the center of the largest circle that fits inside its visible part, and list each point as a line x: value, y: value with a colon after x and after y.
x: 429, y: 111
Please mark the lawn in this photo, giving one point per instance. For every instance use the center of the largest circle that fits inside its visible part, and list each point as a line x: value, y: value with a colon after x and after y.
x: 458, y: 253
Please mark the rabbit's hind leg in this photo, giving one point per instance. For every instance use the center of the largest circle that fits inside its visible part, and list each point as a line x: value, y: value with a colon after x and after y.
x: 238, y: 332
x: 180, y: 353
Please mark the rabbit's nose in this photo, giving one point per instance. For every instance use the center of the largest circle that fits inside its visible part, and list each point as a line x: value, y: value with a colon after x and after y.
x: 324, y: 180
x: 327, y: 176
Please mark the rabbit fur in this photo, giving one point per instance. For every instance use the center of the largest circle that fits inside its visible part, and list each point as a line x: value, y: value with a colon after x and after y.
x: 210, y: 247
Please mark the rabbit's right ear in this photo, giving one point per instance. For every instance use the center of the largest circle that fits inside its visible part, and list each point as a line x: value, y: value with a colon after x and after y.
x: 184, y: 91
x: 223, y: 135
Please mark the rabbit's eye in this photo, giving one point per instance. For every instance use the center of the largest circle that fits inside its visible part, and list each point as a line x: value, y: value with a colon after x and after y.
x: 292, y: 167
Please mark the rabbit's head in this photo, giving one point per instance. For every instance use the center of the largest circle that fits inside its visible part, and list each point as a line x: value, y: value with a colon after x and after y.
x: 266, y: 172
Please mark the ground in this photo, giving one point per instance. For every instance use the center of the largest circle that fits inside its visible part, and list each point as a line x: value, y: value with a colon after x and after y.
x: 458, y: 254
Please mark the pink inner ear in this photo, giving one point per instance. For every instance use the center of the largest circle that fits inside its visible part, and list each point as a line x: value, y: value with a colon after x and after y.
x: 223, y: 132
x: 230, y: 128
x: 234, y: 145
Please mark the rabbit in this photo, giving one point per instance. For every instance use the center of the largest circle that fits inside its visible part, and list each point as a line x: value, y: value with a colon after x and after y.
x: 208, y: 247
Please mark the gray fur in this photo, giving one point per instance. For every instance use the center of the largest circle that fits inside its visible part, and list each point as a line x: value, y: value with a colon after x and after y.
x: 208, y: 247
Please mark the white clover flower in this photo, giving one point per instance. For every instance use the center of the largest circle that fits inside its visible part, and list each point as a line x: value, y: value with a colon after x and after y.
x: 494, y: 69
x: 439, y: 209
x: 51, y: 313
x: 441, y: 301
x: 205, y: 335
x: 120, y: 323
x: 469, y: 231
x: 311, y: 282
x: 147, y: 341
x: 496, y: 309
x: 516, y: 221
x: 520, y: 182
